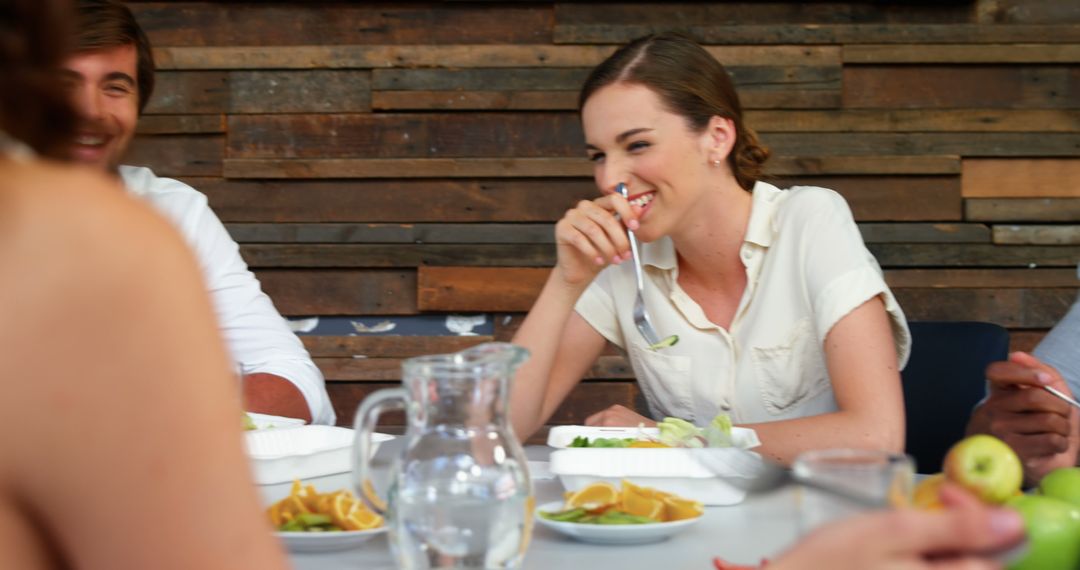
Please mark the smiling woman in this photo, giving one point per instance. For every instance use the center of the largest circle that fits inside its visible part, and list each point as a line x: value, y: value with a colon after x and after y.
x: 783, y: 318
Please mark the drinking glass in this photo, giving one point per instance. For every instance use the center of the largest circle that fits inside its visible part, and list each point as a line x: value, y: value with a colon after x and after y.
x: 884, y: 479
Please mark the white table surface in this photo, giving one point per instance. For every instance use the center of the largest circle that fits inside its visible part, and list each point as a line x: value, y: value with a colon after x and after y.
x: 761, y: 526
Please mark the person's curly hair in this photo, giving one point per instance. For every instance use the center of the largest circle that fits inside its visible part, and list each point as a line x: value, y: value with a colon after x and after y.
x: 34, y: 108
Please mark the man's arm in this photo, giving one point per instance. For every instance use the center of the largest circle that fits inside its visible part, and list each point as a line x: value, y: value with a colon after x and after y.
x: 271, y: 394
x: 256, y: 335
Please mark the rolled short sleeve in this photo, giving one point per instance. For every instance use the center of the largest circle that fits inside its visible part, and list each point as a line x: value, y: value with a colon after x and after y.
x: 841, y: 274
x: 597, y: 306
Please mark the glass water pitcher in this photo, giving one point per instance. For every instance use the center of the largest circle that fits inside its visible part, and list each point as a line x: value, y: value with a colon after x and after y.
x: 459, y: 493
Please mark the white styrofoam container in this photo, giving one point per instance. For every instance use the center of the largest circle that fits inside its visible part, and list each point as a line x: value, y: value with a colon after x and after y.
x: 702, y: 474
x: 281, y: 455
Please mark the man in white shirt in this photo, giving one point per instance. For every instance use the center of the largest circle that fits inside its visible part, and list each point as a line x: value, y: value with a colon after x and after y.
x: 110, y: 78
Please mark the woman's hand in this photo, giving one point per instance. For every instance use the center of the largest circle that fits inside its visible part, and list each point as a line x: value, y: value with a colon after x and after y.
x: 967, y: 534
x: 620, y: 416
x: 590, y: 236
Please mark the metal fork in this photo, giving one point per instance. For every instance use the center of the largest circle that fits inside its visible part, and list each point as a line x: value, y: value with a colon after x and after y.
x: 641, y: 317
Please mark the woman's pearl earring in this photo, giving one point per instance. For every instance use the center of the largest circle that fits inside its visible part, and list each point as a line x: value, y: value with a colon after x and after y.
x: 716, y: 163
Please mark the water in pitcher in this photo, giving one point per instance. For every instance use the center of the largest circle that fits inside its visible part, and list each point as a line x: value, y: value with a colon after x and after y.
x: 456, y: 521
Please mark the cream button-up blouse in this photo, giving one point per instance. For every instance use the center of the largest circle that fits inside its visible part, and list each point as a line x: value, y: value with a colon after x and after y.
x: 806, y: 268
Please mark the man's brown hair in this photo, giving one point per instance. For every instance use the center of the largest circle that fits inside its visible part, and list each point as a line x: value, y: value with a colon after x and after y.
x: 104, y: 24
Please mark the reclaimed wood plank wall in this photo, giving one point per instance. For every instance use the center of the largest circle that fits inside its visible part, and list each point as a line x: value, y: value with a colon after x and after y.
x: 407, y: 159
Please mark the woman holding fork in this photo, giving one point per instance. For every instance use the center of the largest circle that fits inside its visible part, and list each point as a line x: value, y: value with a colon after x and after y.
x: 783, y: 319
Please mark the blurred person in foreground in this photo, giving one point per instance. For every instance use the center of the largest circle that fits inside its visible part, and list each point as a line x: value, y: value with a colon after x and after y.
x: 110, y: 77
x: 1042, y: 429
x: 128, y: 446
x: 122, y: 446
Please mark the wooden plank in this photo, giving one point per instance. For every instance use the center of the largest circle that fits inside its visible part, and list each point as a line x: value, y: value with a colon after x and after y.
x: 812, y: 33
x: 392, y: 233
x: 388, y: 346
x: 1025, y: 340
x: 584, y: 400
x: 811, y: 164
x: 178, y: 155
x: 1027, y: 12
x: 924, y: 233
x: 307, y: 91
x: 350, y: 255
x: 459, y: 56
x: 341, y: 292
x: 413, y: 135
x: 1022, y: 210
x: 962, y: 86
x: 872, y: 198
x: 892, y: 198
x: 469, y: 288
x: 389, y: 369
x: 1021, y: 178
x: 406, y: 168
x: 1037, y: 235
x: 559, y: 167
x: 451, y: 100
x: 751, y: 98
x: 226, y: 24
x: 514, y: 289
x: 973, y: 255
x: 684, y: 14
x: 889, y: 255
x: 939, y: 53
x: 881, y: 145
x: 412, y: 201
x: 914, y: 120
x: 181, y: 124
x: 189, y: 92
x: 588, y: 398
x: 981, y: 278
x: 1021, y: 308
x: 568, y: 79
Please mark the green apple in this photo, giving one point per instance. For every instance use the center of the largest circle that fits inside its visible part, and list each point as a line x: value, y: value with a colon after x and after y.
x: 1062, y: 483
x: 1053, y: 533
x: 985, y: 466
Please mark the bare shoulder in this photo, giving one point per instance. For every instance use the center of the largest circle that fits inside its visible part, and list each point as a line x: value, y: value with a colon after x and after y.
x: 55, y: 215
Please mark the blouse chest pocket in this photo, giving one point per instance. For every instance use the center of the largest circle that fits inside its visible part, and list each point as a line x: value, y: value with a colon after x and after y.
x: 665, y: 381
x: 793, y: 371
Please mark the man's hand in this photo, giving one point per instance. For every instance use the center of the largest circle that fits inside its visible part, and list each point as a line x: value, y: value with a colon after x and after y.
x: 620, y: 416
x: 274, y: 395
x: 1043, y: 430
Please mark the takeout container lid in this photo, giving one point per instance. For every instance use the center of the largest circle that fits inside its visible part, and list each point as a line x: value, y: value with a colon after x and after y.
x: 701, y: 474
x: 281, y: 455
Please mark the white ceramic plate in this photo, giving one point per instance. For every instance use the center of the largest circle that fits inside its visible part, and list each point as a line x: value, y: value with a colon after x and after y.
x: 327, y: 541
x: 612, y: 533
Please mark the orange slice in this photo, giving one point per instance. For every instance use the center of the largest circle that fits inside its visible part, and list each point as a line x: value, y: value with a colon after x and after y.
x: 643, y: 506
x: 594, y: 496
x: 677, y: 509
x: 363, y: 519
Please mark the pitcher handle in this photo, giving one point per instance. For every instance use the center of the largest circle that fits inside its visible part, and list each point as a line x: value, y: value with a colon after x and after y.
x: 364, y: 423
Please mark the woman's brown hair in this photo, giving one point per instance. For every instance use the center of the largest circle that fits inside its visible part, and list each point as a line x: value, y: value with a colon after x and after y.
x: 34, y: 106
x: 692, y: 84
